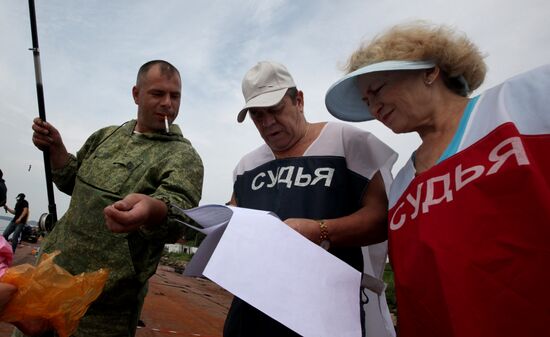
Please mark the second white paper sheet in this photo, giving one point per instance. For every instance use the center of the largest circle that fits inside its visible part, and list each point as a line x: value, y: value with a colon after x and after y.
x: 272, y: 267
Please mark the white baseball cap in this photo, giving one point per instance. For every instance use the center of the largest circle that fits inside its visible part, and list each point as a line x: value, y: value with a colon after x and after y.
x: 264, y: 85
x: 343, y: 99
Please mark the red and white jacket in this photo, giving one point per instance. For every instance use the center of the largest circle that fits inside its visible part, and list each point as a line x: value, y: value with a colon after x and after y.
x: 470, y: 238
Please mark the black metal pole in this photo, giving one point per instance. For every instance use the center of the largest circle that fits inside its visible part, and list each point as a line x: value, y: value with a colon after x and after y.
x: 42, y: 111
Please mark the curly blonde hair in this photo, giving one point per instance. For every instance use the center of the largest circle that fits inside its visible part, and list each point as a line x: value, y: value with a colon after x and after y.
x: 458, y: 58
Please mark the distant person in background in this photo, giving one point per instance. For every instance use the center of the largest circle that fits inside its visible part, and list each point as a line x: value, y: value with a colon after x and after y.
x: 469, y: 214
x: 3, y: 189
x: 21, y: 212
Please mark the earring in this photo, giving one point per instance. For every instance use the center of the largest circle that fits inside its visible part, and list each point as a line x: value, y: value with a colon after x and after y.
x: 428, y: 83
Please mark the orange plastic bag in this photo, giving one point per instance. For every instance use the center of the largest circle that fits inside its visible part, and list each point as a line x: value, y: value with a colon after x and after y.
x: 49, y: 292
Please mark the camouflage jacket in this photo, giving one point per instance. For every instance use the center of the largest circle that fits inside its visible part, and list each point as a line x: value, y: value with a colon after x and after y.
x: 113, y: 163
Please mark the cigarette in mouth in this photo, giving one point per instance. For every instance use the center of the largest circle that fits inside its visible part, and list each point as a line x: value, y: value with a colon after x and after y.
x: 166, y: 124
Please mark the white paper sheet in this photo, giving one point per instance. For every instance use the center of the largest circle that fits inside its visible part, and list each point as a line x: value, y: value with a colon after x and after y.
x: 213, y: 219
x: 272, y: 267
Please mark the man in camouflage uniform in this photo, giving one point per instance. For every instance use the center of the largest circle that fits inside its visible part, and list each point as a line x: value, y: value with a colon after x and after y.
x: 122, y: 182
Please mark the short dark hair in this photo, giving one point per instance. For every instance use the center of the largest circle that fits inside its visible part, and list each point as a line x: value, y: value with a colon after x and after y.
x: 292, y: 93
x: 166, y: 69
x: 1, y: 174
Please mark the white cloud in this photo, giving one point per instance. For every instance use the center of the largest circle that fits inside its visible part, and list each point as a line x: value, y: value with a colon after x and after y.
x: 91, y: 50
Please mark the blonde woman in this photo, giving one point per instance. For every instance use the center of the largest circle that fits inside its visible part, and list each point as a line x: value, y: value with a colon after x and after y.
x: 469, y: 214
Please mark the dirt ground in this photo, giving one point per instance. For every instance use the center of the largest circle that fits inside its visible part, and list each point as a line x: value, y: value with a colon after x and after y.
x: 183, y: 306
x: 175, y: 305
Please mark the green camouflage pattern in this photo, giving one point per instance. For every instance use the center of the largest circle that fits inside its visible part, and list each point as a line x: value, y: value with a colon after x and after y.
x: 113, y: 163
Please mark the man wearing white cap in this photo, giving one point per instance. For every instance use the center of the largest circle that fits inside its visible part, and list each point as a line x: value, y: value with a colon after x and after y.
x: 325, y: 180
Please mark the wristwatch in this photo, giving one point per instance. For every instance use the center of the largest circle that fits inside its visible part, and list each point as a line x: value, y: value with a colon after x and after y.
x: 324, y: 240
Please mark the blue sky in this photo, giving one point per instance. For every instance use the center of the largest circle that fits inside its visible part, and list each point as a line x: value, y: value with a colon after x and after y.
x: 91, y: 50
